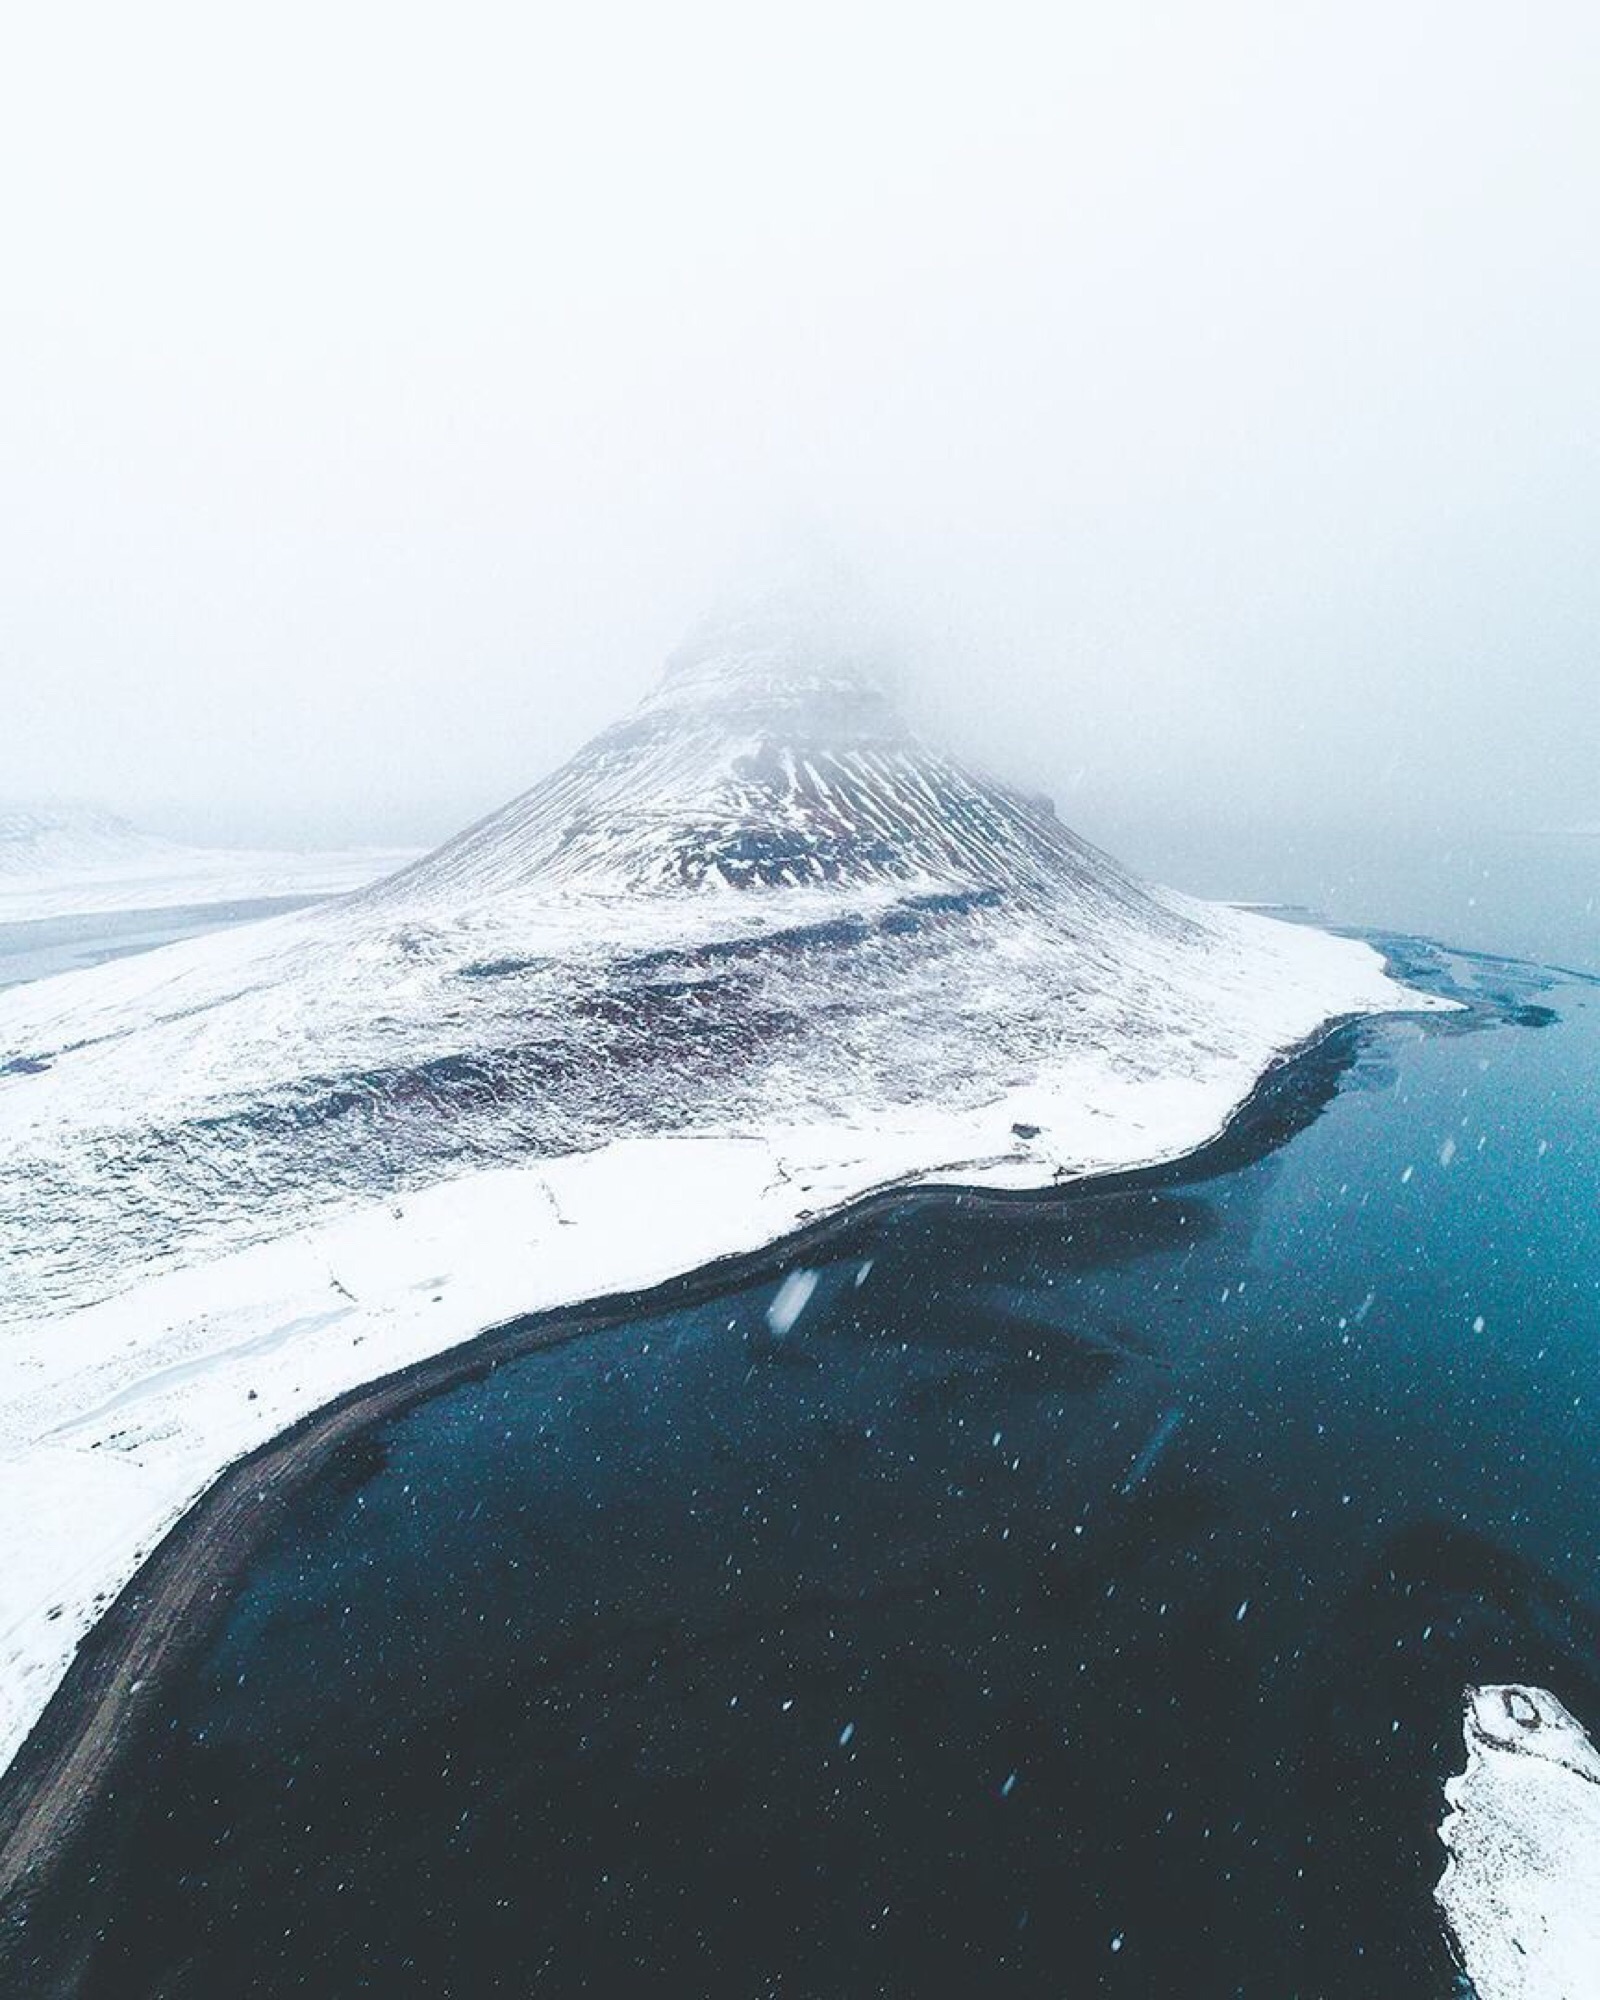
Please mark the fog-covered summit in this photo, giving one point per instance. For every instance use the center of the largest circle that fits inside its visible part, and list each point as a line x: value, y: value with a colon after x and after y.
x: 808, y: 656
x: 772, y: 753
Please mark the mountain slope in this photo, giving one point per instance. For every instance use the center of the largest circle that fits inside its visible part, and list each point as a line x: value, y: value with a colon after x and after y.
x: 758, y: 900
x: 755, y: 766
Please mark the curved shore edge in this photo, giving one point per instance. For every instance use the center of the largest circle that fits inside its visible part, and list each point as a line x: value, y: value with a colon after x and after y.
x: 157, y: 1333
x: 106, y: 1708
x: 108, y: 1703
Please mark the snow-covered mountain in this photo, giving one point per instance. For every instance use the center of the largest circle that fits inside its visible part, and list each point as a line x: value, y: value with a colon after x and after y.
x: 753, y: 952
x: 75, y: 860
x: 757, y: 765
x: 758, y: 899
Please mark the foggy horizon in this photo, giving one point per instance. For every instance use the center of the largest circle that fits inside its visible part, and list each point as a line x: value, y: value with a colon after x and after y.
x: 1212, y: 403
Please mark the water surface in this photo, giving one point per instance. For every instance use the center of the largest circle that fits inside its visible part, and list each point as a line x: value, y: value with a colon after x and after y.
x: 39, y: 947
x: 1077, y: 1598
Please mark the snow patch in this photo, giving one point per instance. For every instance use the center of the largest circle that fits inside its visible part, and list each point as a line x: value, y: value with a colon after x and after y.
x: 790, y: 1301
x: 1521, y: 1888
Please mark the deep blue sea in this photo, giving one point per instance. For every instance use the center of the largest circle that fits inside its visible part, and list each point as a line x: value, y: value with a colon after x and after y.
x: 1077, y: 1598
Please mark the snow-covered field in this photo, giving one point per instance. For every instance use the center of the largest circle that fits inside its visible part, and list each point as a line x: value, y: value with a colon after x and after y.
x: 70, y: 861
x: 1521, y: 1888
x: 752, y: 955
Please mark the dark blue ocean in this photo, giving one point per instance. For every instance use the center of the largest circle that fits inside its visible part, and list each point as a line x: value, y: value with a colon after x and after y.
x: 1076, y: 1599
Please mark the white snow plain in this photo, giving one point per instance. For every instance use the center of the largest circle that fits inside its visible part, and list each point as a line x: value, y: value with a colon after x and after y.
x: 1521, y: 1888
x: 73, y: 861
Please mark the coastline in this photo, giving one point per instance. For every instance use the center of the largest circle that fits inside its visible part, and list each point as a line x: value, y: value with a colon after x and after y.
x: 127, y: 1392
x: 108, y: 1703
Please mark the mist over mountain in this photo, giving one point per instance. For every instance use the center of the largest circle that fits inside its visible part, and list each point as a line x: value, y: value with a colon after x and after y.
x: 772, y: 753
x: 1212, y: 393
x: 892, y: 1287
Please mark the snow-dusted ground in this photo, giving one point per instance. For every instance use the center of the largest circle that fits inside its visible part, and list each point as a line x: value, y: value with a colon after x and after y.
x: 752, y: 955
x: 1521, y: 1888
x: 68, y: 861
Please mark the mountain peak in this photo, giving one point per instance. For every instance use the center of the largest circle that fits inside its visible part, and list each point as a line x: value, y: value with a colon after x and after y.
x: 770, y: 755
x: 780, y: 659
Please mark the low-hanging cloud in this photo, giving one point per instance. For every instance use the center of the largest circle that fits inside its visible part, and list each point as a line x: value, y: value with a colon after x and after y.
x: 1211, y: 391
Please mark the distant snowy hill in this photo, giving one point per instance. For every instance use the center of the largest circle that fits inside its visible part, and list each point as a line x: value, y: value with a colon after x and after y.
x: 40, y: 840
x: 70, y: 860
x: 754, y: 952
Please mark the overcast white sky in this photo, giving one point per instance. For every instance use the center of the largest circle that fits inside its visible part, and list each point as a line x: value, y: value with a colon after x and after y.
x: 1213, y: 386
